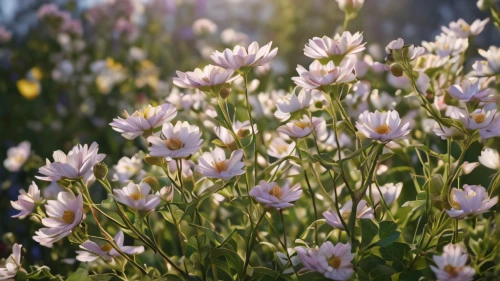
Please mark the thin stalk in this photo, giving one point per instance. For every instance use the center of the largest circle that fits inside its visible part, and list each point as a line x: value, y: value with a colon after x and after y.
x: 250, y: 244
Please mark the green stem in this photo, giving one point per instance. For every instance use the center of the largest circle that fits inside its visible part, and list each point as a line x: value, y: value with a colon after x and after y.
x: 250, y: 245
x: 254, y: 138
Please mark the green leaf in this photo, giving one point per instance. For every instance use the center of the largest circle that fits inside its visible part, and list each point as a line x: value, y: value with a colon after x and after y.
x: 100, y: 277
x: 368, y: 231
x: 81, y: 273
x: 388, y: 233
x: 395, y: 253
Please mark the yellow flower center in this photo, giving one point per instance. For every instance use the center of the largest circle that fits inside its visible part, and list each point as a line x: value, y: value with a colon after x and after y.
x: 282, y: 148
x: 106, y: 247
x: 466, y: 28
x: 302, y: 124
x: 451, y: 270
x: 18, y: 158
x: 174, y: 144
x: 471, y: 194
x: 479, y: 117
x: 276, y: 191
x: 220, y: 166
x: 334, y: 262
x: 136, y: 195
x: 68, y: 217
x: 383, y: 129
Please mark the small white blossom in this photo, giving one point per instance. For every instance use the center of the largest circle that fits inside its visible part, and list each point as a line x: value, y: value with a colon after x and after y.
x: 327, y: 48
x: 209, y: 79
x: 472, y: 200
x: 462, y: 29
x: 127, y: 168
x: 491, y: 65
x: 179, y: 141
x: 334, y: 261
x: 279, y: 148
x: 241, y: 129
x: 291, y: 103
x: 382, y: 126
x: 490, y: 158
x: 26, y: 202
x: 12, y: 264
x: 390, y: 192
x: 350, y: 5
x: 363, y: 211
x: 204, y: 26
x: 214, y: 164
x: 240, y: 57
x: 451, y: 266
x: 272, y: 195
x: 469, y: 90
x: 17, y: 156
x: 320, y: 75
x: 137, y: 196
x: 448, y: 45
x: 303, y: 127
x: 92, y: 251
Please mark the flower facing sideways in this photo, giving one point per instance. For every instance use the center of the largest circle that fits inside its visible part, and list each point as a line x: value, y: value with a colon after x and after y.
x: 319, y: 76
x: 128, y: 168
x: 333, y: 261
x: 292, y: 103
x: 472, y: 200
x: 451, y: 265
x: 303, y: 127
x: 326, y: 48
x: 12, y: 264
x: 490, y: 158
x: 469, y: 90
x: 491, y: 65
x: 462, y: 29
x: 26, y: 202
x: 390, y: 192
x: 92, y: 251
x: 143, y: 121
x: 137, y: 197
x: 363, y: 211
x: 179, y: 141
x: 240, y: 57
x: 241, y: 129
x: 215, y: 165
x: 63, y: 215
x: 272, y: 195
x: 211, y: 78
x: 382, y: 126
x: 279, y: 148
x: 77, y: 164
x: 17, y: 156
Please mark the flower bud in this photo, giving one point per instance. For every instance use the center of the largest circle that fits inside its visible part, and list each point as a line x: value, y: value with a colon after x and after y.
x: 153, y: 182
x: 225, y: 92
x: 154, y: 160
x: 100, y: 171
x: 350, y: 6
x: 167, y: 193
x: 397, y: 70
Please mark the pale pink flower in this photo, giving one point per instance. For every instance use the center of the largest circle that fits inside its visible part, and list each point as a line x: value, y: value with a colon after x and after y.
x: 12, y: 264
x: 462, y: 29
x: 214, y: 164
x: 327, y: 48
x: 363, y: 211
x: 17, y: 156
x: 319, y: 75
x: 26, y: 202
x: 469, y: 90
x: 382, y: 126
x: 137, y: 196
x: 334, y: 261
x: 211, y: 78
x: 303, y: 127
x: 92, y: 251
x: 472, y: 200
x: 240, y: 57
x: 451, y: 266
x: 272, y: 195
x: 179, y: 141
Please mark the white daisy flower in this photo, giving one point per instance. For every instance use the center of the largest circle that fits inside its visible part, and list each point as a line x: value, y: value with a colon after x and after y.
x: 479, y: 118
x: 462, y: 29
x: 51, y: 191
x: 472, y: 200
x: 127, y: 168
x: 211, y: 78
x: 491, y: 65
x: 17, y: 156
x: 469, y: 90
x: 92, y: 251
x: 308, y: 258
x: 363, y: 211
x: 143, y: 121
x: 279, y: 148
x: 448, y: 45
x: 12, y: 264
x: 63, y: 215
x: 350, y: 5
x: 204, y: 26
x: 390, y: 192
x: 272, y: 195
x: 137, y: 196
x: 320, y: 75
x: 215, y: 165
x: 292, y: 102
x: 451, y: 266
x: 241, y: 129
x: 336, y: 48
x: 303, y: 127
x: 490, y: 158
x: 179, y: 141
x: 382, y: 126
x: 77, y: 164
x: 26, y: 202
x: 240, y: 57
x: 334, y: 261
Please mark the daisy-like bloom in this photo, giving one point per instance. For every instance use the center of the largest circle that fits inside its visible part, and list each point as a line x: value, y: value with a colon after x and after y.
x: 382, y: 126
x: 326, y: 48
x: 451, y: 266
x: 469, y: 90
x: 77, y: 164
x: 241, y: 129
x: 334, y: 261
x: 215, y: 165
x: 17, y: 156
x: 319, y: 75
x: 390, y: 192
x: 490, y: 158
x: 12, y: 264
x: 291, y: 103
x: 308, y: 258
x: 462, y: 29
x: 187, y: 168
x: 303, y: 127
x: 204, y: 26
x: 279, y: 148
x: 472, y: 200
x: 272, y: 195
x: 350, y: 6
x: 143, y: 121
x: 479, y: 118
x: 92, y: 251
x: 176, y: 142
x: 491, y: 65
x: 398, y: 44
x: 63, y: 215
x: 128, y: 168
x: 26, y: 202
x: 449, y: 45
x: 137, y: 196
x: 363, y: 211
x: 240, y: 57
x: 210, y: 79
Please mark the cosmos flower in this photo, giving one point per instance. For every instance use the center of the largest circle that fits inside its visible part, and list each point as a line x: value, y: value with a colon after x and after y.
x: 272, y: 195
x: 451, y: 266
x: 179, y: 141
x: 12, y: 264
x: 448, y: 45
x: 334, y: 261
x: 469, y: 90
x: 241, y: 129
x: 137, y: 196
x: 479, y: 118
x: 77, y: 164
x: 26, y: 202
x: 17, y: 156
x: 462, y: 29
x: 291, y: 103
x: 490, y: 158
x: 472, y: 200
x: 363, y: 211
x: 63, y: 215
x: 318, y: 76
x: 127, y: 168
x: 240, y: 57
x: 382, y: 126
x: 303, y: 127
x: 279, y: 148
x: 211, y: 78
x: 215, y: 165
x: 144, y: 121
x: 326, y: 48
x: 390, y: 192
x: 491, y: 65
x: 308, y: 258
x: 92, y: 251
